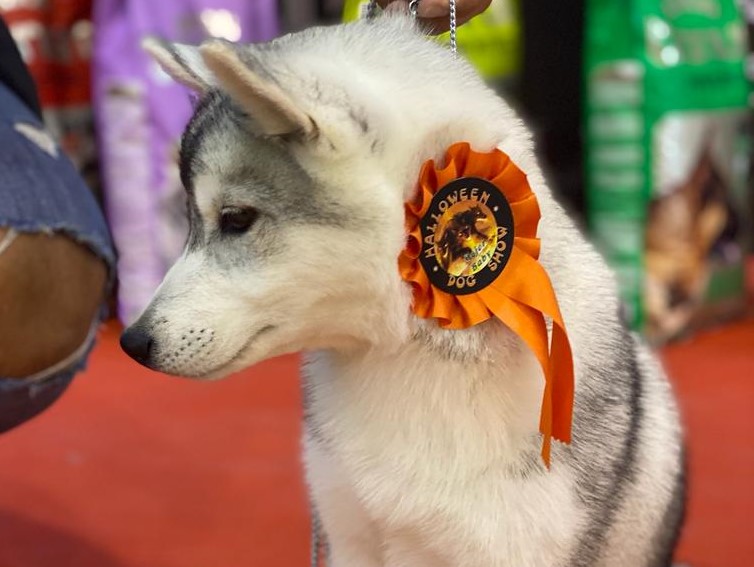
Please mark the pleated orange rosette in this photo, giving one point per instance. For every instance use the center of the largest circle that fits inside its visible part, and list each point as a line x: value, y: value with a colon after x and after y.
x: 520, y: 295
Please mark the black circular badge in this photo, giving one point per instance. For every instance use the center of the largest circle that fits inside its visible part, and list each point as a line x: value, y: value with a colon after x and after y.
x: 467, y: 236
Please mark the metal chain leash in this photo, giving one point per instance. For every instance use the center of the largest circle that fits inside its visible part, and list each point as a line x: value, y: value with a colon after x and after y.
x: 453, y: 26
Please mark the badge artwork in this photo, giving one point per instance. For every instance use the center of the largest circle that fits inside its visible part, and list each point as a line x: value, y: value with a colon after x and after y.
x: 467, y: 235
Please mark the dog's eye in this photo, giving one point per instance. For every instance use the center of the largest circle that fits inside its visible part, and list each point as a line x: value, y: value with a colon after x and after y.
x: 237, y: 220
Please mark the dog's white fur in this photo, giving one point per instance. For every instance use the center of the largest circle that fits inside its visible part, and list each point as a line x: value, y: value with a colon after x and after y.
x: 421, y: 445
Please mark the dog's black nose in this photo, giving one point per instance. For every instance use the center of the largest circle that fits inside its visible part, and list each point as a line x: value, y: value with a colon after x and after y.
x: 677, y: 295
x: 138, y: 344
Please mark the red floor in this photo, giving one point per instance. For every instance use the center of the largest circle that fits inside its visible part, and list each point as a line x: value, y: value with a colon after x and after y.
x: 136, y: 469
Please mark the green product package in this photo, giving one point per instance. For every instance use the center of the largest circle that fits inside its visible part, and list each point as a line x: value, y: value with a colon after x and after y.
x: 491, y: 40
x: 667, y: 157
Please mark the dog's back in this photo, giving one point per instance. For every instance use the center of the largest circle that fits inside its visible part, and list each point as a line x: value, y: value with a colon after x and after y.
x: 421, y: 443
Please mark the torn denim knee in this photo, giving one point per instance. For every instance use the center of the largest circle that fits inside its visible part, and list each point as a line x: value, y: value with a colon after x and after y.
x: 41, y: 192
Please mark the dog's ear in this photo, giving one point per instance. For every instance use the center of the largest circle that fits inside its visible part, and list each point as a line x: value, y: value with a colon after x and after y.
x: 182, y: 62
x: 271, y: 108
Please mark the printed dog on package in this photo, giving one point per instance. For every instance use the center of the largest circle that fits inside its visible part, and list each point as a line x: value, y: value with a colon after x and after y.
x: 683, y: 229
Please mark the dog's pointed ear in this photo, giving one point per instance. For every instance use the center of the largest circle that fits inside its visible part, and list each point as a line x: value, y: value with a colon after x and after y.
x: 270, y: 107
x: 182, y: 62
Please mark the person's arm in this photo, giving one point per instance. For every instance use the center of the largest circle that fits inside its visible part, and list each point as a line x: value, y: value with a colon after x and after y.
x: 435, y: 14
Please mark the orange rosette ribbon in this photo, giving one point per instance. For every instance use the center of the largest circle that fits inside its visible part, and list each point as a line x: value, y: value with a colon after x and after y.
x: 520, y: 294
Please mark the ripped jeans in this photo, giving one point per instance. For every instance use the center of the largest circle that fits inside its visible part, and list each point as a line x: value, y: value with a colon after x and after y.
x: 41, y: 192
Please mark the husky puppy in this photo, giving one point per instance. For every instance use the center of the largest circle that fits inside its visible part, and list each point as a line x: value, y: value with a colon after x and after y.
x: 421, y: 444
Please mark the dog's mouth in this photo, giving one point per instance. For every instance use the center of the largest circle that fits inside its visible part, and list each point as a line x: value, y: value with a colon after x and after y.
x: 223, y: 368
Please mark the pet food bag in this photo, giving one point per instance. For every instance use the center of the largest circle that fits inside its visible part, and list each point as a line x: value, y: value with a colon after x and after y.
x: 668, y: 147
x: 748, y: 9
x: 491, y: 40
x: 141, y: 113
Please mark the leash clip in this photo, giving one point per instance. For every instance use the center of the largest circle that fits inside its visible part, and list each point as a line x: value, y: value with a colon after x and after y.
x: 413, y: 9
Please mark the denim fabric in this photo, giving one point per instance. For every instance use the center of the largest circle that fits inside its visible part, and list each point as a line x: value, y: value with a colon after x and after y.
x: 41, y: 191
x: 20, y: 400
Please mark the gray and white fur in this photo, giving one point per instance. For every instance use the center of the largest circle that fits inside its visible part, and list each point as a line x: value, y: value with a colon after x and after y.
x: 421, y: 445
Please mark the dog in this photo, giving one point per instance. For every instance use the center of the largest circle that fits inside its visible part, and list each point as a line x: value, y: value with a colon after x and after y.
x: 683, y: 229
x: 465, y: 234
x: 421, y: 444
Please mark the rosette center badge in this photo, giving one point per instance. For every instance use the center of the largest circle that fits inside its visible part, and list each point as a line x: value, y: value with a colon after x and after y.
x: 467, y: 236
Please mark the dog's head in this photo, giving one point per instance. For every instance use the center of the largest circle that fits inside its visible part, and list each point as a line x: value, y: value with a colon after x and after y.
x: 456, y: 240
x: 297, y: 163
x: 284, y: 251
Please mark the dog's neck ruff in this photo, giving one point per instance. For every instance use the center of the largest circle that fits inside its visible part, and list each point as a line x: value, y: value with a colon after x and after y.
x: 472, y: 254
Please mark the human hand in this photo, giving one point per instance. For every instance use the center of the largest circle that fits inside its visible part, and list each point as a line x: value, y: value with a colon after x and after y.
x: 435, y: 14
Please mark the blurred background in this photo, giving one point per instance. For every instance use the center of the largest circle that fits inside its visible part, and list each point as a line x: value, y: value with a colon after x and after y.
x: 642, y: 111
